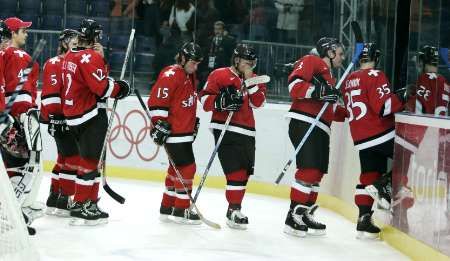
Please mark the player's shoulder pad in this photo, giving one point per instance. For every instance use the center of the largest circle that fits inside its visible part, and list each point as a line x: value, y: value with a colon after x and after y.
x: 171, y: 72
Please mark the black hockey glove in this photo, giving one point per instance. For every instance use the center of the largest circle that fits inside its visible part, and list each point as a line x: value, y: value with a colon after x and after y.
x: 125, y: 89
x: 57, y: 125
x: 405, y: 93
x: 197, y: 126
x: 228, y: 99
x: 325, y: 92
x: 160, y: 132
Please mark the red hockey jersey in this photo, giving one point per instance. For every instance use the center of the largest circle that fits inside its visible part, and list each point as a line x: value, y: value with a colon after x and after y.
x: 2, y: 84
x: 432, y: 94
x: 86, y: 85
x: 173, y: 98
x: 370, y: 107
x: 51, y: 88
x: 17, y: 74
x: 300, y: 89
x: 243, y: 121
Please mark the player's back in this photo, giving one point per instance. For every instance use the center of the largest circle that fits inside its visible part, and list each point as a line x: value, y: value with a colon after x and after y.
x: 81, y: 68
x: 51, y: 87
x: 19, y: 75
x: 365, y: 92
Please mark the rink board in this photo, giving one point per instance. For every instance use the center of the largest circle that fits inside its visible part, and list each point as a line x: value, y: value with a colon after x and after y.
x: 132, y: 154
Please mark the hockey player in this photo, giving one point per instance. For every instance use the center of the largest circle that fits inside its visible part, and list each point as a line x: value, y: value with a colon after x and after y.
x: 21, y: 142
x: 310, y: 86
x: 224, y: 93
x: 86, y: 86
x: 173, y: 107
x: 65, y: 170
x: 371, y: 105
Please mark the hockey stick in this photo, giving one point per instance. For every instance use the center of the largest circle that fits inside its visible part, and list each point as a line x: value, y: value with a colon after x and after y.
x: 101, y: 164
x: 249, y: 82
x: 179, y: 177
x: 358, y: 50
x: 36, y: 53
x: 444, y: 55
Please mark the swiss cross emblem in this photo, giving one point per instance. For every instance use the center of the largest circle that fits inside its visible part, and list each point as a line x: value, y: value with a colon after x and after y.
x: 54, y: 60
x: 169, y: 73
x: 373, y: 73
x: 432, y: 76
x: 85, y: 58
x: 20, y: 53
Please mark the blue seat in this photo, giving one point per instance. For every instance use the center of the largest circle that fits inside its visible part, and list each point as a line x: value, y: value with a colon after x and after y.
x: 100, y: 8
x: 34, y: 18
x: 34, y: 5
x: 116, y: 60
x: 104, y: 22
x: 143, y: 62
x: 121, y: 25
x: 52, y: 22
x: 77, y: 7
x: 145, y: 44
x: 73, y: 22
x: 54, y: 7
x: 118, y: 42
x: 9, y: 6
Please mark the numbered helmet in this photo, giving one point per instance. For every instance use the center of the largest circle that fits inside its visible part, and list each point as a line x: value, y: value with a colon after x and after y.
x: 4, y: 31
x: 191, y: 51
x: 326, y: 44
x: 90, y: 30
x: 370, y: 53
x: 429, y: 55
x: 245, y: 51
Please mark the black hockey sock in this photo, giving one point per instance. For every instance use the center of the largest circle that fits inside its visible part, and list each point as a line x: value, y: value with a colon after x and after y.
x: 294, y: 204
x: 364, y: 210
x: 234, y: 206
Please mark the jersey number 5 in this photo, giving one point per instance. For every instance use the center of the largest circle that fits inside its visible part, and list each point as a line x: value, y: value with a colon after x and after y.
x: 351, y: 105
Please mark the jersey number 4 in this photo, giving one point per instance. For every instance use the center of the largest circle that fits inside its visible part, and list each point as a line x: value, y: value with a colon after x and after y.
x: 351, y: 105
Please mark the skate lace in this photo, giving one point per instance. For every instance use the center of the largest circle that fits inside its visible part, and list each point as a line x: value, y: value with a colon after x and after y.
x: 237, y: 214
x: 188, y: 213
x: 87, y: 208
x: 311, y: 219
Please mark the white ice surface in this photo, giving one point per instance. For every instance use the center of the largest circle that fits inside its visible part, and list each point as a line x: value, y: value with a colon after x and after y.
x: 134, y: 232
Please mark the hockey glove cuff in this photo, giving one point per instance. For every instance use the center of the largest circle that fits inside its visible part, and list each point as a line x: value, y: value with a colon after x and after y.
x: 160, y: 132
x: 125, y: 89
x: 325, y: 92
x: 228, y: 99
x: 57, y: 125
x: 405, y: 93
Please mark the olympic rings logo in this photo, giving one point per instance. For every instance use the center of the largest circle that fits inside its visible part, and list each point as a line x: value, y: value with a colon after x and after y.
x: 131, y: 135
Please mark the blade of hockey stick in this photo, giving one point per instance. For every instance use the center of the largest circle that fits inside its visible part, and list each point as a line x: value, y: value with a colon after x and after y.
x: 203, y: 219
x: 101, y: 164
x: 36, y: 53
x: 444, y: 56
x: 357, y: 32
x: 257, y: 80
x: 358, y: 49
